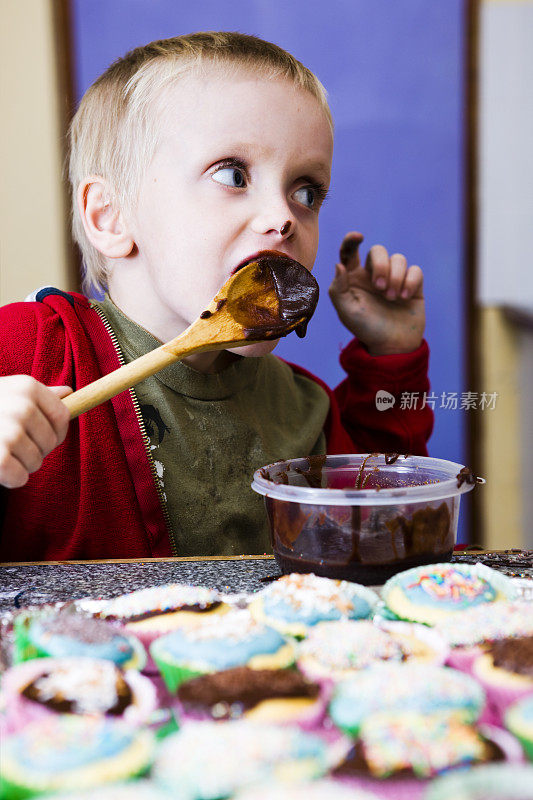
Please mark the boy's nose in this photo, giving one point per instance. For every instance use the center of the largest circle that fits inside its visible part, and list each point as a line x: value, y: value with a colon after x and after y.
x: 277, y: 222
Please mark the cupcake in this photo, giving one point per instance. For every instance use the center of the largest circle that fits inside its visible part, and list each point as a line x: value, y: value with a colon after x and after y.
x: 321, y: 789
x: 482, y: 625
x: 421, y: 688
x: 296, y: 602
x: 48, y: 686
x: 218, y: 643
x: 490, y: 782
x: 157, y: 610
x: 212, y: 760
x: 53, y: 633
x: 505, y: 671
x: 396, y: 754
x: 67, y: 752
x: 519, y: 720
x: 141, y: 789
x: 433, y: 592
x: 267, y: 695
x: 335, y: 650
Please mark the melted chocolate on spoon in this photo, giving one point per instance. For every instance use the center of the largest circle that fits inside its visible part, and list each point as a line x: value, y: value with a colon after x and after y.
x: 296, y: 292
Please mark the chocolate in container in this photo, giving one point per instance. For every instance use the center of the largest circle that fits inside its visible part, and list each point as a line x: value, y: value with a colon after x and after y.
x: 362, y: 517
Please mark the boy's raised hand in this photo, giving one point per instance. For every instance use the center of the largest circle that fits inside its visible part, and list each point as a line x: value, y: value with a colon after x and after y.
x: 381, y: 303
x: 33, y: 421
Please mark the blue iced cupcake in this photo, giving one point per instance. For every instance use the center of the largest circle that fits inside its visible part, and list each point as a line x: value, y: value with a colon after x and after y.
x: 435, y: 592
x: 296, y: 602
x: 59, y: 634
x: 232, y: 640
x: 67, y: 752
x: 420, y: 688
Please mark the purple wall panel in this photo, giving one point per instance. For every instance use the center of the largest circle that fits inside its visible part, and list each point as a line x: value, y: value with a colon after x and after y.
x: 394, y: 73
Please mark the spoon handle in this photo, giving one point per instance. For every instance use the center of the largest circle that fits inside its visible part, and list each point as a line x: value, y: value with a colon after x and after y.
x: 117, y: 381
x: 190, y: 341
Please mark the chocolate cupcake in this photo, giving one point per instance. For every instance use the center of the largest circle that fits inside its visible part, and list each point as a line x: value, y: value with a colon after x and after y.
x: 267, y: 695
x: 42, y: 687
x: 397, y: 754
x: 505, y: 671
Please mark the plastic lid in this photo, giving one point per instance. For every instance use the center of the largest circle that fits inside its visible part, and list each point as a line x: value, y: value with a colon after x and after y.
x: 417, y: 478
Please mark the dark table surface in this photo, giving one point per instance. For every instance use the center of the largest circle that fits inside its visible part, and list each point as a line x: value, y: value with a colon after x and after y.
x: 32, y: 584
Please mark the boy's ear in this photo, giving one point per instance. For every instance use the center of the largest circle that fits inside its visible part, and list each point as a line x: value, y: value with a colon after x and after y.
x: 104, y: 225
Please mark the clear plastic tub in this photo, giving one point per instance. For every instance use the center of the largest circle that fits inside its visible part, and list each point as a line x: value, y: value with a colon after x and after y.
x: 362, y: 517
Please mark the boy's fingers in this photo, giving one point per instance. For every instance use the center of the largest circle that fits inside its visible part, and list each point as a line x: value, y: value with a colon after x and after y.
x: 12, y: 473
x: 339, y: 283
x: 398, y: 268
x: 55, y: 412
x: 413, y: 284
x: 28, y: 453
x: 27, y: 432
x: 378, y: 266
x: 60, y: 391
x: 349, y: 252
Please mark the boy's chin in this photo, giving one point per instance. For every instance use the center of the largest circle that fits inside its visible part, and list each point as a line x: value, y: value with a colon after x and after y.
x: 254, y: 350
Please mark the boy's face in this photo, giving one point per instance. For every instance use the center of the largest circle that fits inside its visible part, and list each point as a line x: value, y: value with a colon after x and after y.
x: 239, y: 156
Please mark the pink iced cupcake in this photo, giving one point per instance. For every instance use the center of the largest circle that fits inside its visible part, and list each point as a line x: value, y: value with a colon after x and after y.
x: 397, y: 754
x: 45, y: 687
x: 505, y: 671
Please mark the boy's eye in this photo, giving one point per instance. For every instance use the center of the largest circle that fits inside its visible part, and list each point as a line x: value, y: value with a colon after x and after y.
x: 306, y: 195
x: 230, y: 176
x: 311, y: 196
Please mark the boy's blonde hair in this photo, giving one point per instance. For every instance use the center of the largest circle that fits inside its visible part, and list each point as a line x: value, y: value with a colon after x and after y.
x: 115, y: 131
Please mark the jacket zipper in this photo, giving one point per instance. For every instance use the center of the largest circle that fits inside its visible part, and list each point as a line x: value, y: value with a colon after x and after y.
x: 145, y: 437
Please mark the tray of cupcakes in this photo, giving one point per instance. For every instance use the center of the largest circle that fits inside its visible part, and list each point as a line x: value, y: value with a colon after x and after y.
x: 311, y: 687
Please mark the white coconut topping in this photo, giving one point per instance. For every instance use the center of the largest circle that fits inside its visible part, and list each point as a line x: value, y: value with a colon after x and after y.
x: 170, y: 597
x: 90, y: 689
x: 350, y: 644
x: 312, y: 593
x: 488, y: 622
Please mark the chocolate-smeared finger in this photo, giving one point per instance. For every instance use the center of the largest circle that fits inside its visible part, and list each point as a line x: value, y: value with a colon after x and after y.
x: 349, y: 248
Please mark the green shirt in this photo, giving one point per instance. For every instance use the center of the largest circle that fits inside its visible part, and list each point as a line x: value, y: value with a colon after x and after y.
x: 209, y: 432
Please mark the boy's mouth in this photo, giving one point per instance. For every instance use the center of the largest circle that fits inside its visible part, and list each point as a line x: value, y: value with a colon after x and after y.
x: 255, y: 256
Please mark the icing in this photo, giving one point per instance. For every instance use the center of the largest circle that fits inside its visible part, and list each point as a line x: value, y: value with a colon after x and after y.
x: 317, y: 790
x: 519, y: 718
x: 425, y: 744
x: 90, y: 685
x: 53, y: 744
x: 308, y: 598
x: 225, y: 642
x: 350, y: 644
x: 423, y: 688
x: 169, y: 597
x: 76, y: 635
x: 443, y: 585
x: 144, y: 790
x: 488, y: 622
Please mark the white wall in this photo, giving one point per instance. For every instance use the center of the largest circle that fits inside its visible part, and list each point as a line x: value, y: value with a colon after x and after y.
x: 506, y: 154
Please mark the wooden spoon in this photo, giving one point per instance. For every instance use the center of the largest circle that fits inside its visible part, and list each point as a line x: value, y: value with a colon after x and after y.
x: 264, y: 299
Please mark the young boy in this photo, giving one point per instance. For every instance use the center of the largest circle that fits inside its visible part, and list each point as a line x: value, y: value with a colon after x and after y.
x: 189, y: 157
